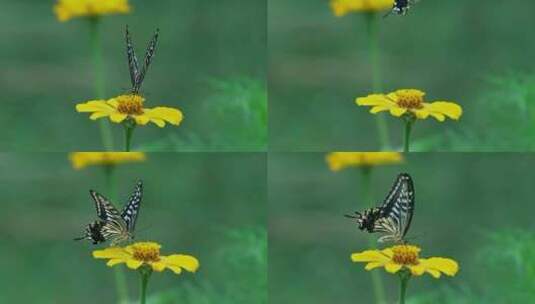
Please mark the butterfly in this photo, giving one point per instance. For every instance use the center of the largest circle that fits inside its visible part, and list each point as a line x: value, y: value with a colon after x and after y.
x: 112, y: 225
x: 137, y: 75
x: 401, y: 7
x: 393, y: 218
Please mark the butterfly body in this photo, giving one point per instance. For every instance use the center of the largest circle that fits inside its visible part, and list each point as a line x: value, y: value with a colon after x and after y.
x: 112, y: 225
x: 401, y: 7
x: 393, y: 218
x: 137, y: 74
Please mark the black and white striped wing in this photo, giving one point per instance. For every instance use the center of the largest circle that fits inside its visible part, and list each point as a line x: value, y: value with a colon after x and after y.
x: 105, y: 209
x: 133, y: 65
x: 149, y: 54
x: 131, y: 209
x: 398, y: 208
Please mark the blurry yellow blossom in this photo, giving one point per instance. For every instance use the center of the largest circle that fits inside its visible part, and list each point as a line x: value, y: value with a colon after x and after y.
x: 81, y: 160
x: 412, y: 102
x: 344, y: 7
x: 341, y: 160
x: 68, y: 9
x: 130, y: 106
x: 399, y: 257
x: 147, y: 253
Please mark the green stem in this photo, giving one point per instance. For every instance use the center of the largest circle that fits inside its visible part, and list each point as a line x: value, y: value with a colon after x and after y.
x: 377, y: 281
x: 98, y: 65
x: 372, y: 23
x: 128, y: 130
x: 404, y: 277
x: 145, y: 275
x: 407, y: 134
x: 120, y: 279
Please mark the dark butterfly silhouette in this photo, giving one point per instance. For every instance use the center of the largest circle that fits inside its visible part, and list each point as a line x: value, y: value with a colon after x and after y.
x: 112, y: 225
x: 393, y: 218
x: 137, y: 75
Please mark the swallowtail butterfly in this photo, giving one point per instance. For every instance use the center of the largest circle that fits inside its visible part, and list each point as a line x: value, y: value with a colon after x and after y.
x: 401, y: 7
x: 137, y: 75
x: 393, y: 218
x: 112, y: 225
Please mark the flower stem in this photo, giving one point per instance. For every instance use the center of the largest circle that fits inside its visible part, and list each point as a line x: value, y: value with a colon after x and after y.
x: 377, y: 282
x: 98, y: 65
x: 129, y: 127
x: 404, y: 277
x: 145, y: 275
x: 407, y: 137
x: 120, y: 279
x: 372, y: 23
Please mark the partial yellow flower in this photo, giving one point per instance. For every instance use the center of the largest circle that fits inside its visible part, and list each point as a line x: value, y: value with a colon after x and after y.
x: 68, y: 9
x: 410, y: 102
x: 130, y: 106
x: 341, y: 160
x: 344, y: 7
x: 399, y: 257
x: 147, y: 253
x: 81, y: 160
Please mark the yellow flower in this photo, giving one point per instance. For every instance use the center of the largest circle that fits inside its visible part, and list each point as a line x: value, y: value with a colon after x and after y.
x: 343, y: 7
x: 147, y: 253
x: 81, y: 160
x: 410, y: 102
x: 341, y: 160
x: 130, y: 106
x: 399, y: 257
x: 68, y: 9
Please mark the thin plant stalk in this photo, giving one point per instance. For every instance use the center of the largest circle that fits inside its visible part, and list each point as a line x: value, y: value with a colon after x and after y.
x: 145, y: 276
x: 372, y: 24
x: 407, y: 134
x: 377, y: 280
x: 404, y: 280
x: 120, y: 278
x: 98, y: 66
x: 128, y: 131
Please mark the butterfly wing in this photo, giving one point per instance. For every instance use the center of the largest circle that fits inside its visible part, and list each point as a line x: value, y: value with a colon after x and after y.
x: 113, y: 227
x: 398, y: 207
x: 131, y: 209
x: 133, y: 65
x: 149, y: 54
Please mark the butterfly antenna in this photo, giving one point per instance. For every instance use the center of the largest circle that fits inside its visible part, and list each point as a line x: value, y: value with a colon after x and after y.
x: 388, y: 14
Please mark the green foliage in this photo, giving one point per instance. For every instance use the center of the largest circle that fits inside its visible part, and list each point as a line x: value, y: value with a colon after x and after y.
x: 234, y: 115
x: 243, y: 281
x: 506, y: 272
x: 502, y: 119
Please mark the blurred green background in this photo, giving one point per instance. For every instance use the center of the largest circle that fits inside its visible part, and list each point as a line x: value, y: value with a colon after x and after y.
x: 212, y: 206
x: 476, y: 208
x: 210, y: 63
x: 476, y: 53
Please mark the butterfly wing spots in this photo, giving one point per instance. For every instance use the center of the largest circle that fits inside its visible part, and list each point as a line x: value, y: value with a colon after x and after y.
x: 131, y: 209
x: 133, y: 65
x: 149, y: 55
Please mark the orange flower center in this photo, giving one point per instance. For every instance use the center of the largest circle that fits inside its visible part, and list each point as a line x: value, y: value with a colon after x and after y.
x: 146, y: 252
x: 130, y: 104
x: 410, y: 99
x: 405, y: 255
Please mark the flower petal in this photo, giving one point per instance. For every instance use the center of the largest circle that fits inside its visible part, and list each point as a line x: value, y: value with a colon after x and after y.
x: 114, y: 262
x: 378, y: 109
x: 141, y: 119
x: 133, y: 264
x: 159, y: 114
x: 111, y: 253
x: 447, y: 266
x: 374, y: 100
x: 449, y: 109
x: 392, y: 267
x: 94, y: 106
x: 177, y: 261
x: 373, y: 265
x: 370, y: 256
x: 118, y: 117
x: 397, y: 112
